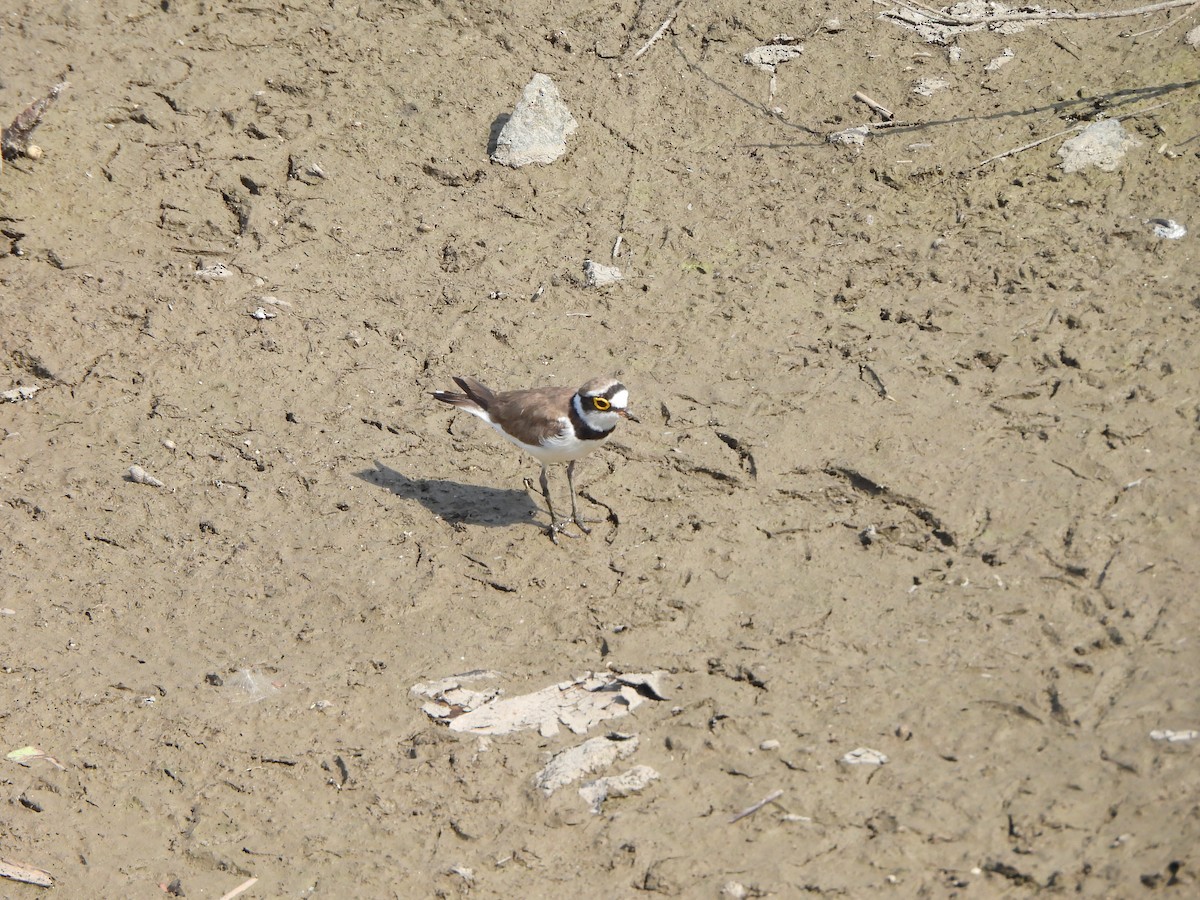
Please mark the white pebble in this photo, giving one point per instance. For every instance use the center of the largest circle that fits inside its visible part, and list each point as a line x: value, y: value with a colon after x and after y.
x: 768, y: 56
x: 864, y: 756
x: 850, y: 137
x: 600, y: 276
x: 1167, y: 734
x: 20, y: 393
x: 214, y: 272
x: 140, y: 476
x: 1168, y: 229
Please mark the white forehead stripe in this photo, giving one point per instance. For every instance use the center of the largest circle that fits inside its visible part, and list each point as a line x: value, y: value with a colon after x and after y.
x: 620, y: 399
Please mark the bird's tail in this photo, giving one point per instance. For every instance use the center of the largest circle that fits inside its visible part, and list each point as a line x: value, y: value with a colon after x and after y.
x: 475, y: 399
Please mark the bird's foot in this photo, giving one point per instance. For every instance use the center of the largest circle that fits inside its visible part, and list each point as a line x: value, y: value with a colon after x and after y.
x: 560, y: 527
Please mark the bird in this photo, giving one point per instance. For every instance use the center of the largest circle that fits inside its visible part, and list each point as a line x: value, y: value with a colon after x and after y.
x: 554, y: 425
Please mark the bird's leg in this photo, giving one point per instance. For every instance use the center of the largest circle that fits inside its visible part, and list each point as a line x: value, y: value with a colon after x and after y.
x: 556, y: 528
x: 545, y: 482
x: 575, y: 509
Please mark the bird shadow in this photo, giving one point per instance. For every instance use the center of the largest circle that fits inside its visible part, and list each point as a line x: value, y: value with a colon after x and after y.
x: 453, y: 501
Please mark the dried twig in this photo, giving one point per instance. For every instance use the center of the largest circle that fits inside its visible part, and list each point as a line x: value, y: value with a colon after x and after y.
x: 661, y: 30
x: 14, y: 141
x: 1015, y: 150
x: 752, y: 809
x: 244, y: 886
x: 878, y: 107
x: 944, y: 18
x: 26, y: 874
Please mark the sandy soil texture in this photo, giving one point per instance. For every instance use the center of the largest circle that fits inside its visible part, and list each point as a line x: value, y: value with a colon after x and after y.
x: 917, y: 468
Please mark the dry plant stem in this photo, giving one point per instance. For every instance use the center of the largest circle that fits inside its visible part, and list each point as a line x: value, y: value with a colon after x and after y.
x: 661, y: 30
x: 26, y: 874
x: 241, y: 888
x: 751, y: 810
x: 878, y: 107
x: 1015, y: 150
x: 941, y: 18
x: 1159, y: 29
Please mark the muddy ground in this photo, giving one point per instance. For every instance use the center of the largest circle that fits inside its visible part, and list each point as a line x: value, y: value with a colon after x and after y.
x: 917, y: 468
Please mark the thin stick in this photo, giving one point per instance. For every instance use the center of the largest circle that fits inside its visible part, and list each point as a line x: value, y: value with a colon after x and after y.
x: 244, y: 886
x: 27, y: 874
x: 1015, y: 150
x: 661, y: 29
x: 751, y: 810
x: 1161, y: 28
x: 1045, y: 15
x: 879, y: 107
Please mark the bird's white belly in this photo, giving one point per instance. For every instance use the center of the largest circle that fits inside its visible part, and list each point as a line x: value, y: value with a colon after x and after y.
x: 562, y: 448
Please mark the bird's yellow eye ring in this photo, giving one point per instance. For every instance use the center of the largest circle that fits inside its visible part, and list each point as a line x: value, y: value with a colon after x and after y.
x: 601, y: 404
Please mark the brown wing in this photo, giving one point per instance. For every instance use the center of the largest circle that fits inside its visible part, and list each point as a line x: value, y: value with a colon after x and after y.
x: 533, y: 414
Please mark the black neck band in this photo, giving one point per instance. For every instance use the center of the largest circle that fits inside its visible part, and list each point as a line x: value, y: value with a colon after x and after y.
x: 583, y: 430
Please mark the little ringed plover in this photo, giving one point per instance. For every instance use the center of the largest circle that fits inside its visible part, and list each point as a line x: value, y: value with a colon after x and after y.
x: 551, y: 424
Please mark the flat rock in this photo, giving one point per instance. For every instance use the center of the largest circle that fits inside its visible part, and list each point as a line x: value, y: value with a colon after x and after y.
x: 576, y: 762
x: 769, y: 56
x: 578, y: 704
x: 598, y: 275
x: 1102, y: 144
x: 538, y: 129
x: 624, y: 785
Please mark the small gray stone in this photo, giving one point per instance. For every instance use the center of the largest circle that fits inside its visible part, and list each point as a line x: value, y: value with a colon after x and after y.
x: 864, y: 756
x: 768, y: 56
x: 598, y: 275
x: 538, y: 128
x: 851, y: 137
x: 1167, y: 229
x: 1102, y: 144
x: 20, y: 393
